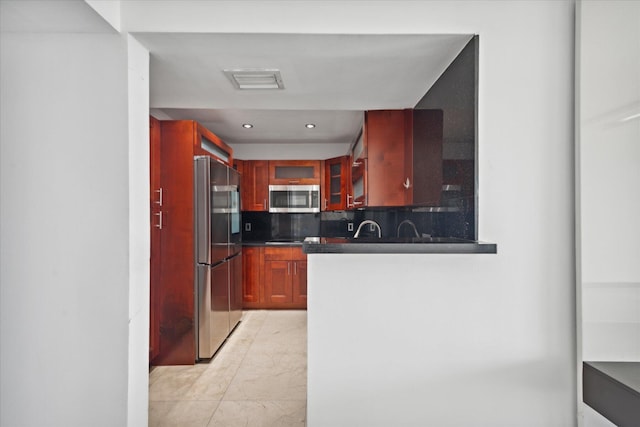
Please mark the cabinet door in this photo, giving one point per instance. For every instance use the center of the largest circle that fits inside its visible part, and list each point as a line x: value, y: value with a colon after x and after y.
x: 255, y: 185
x: 252, y: 273
x: 278, y: 292
x: 359, y: 185
x: 155, y: 199
x: 292, y: 172
x: 335, y: 186
x: 299, y: 284
x: 386, y: 143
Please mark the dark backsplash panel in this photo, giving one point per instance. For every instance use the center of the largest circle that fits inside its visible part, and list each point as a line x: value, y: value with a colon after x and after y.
x: 294, y: 226
x: 266, y: 226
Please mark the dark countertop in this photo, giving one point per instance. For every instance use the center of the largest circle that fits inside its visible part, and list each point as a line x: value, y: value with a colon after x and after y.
x: 402, y: 245
x: 273, y: 243
x: 613, y: 389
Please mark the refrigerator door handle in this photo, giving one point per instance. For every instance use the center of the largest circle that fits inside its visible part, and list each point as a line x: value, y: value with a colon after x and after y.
x: 202, y: 178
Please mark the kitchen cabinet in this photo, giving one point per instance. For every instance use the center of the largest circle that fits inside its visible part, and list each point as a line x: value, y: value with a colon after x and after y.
x: 173, y: 145
x: 335, y: 183
x: 252, y: 275
x: 292, y: 172
x: 398, y: 160
x: 285, y: 277
x: 386, y: 175
x: 155, y: 198
x: 357, y: 175
x: 255, y: 185
x: 274, y: 277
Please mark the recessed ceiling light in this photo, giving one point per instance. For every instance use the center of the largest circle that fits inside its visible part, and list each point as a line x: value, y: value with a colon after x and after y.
x: 247, y: 125
x: 309, y: 125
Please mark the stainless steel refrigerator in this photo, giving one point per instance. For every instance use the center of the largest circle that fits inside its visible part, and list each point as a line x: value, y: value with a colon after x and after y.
x: 218, y: 241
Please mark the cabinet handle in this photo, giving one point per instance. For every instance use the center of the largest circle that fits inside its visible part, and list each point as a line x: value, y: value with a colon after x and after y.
x: 294, y: 182
x: 349, y: 204
x: 357, y: 203
x: 326, y: 203
x: 288, y: 269
x: 406, y: 184
x: 356, y: 164
x: 159, y: 224
x: 264, y: 203
x: 295, y: 268
x: 159, y: 201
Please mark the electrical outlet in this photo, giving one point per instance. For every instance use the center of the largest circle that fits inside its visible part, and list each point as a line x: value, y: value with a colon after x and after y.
x: 349, y: 226
x: 372, y: 227
x: 247, y: 226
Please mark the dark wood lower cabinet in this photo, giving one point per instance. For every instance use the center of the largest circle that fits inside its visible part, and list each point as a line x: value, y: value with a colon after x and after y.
x: 300, y: 283
x: 278, y: 288
x: 275, y: 277
x: 252, y: 272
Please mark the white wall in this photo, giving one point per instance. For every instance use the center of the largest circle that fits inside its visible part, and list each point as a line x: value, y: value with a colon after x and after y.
x: 468, y: 340
x: 513, y: 309
x: 608, y: 172
x: 65, y: 247
x: 139, y: 237
x: 609, y: 161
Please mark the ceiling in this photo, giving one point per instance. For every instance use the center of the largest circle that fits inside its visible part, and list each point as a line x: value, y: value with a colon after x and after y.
x: 329, y: 80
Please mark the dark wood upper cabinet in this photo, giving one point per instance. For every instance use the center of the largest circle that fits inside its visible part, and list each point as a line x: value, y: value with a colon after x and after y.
x: 386, y: 164
x: 335, y: 183
x: 400, y: 160
x: 293, y: 172
x: 255, y: 185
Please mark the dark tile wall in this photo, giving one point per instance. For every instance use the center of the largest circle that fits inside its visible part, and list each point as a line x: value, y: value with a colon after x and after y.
x: 263, y: 226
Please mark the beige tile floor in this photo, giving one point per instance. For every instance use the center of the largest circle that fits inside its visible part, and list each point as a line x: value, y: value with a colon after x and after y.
x: 258, y: 378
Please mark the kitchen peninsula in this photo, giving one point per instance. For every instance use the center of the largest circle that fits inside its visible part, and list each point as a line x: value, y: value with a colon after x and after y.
x: 389, y: 333
x: 402, y: 245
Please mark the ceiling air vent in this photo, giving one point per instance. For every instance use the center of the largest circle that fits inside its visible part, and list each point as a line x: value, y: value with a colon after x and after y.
x: 255, y: 78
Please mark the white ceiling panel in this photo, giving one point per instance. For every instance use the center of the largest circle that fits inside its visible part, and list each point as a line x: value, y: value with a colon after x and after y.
x: 328, y: 80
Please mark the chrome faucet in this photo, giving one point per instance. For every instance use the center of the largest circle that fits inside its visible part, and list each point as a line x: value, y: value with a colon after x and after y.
x: 368, y: 221
x: 407, y: 221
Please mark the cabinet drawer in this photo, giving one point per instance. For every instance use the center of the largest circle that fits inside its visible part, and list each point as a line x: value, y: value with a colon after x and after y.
x: 277, y: 254
x: 297, y: 254
x: 287, y: 253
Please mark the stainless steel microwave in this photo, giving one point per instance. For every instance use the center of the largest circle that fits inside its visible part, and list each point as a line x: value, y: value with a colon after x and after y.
x: 294, y: 198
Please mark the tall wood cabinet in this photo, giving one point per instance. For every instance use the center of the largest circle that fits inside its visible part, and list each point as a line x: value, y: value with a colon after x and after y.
x: 155, y: 199
x: 172, y: 229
